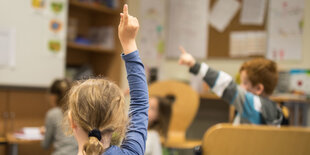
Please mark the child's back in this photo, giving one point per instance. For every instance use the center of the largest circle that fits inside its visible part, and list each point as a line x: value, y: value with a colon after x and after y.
x: 251, y: 102
x: 53, y: 131
x: 63, y: 145
x: 97, y: 111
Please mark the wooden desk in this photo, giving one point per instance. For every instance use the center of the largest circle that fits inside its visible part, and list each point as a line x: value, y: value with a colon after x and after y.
x: 3, y: 140
x: 209, y: 96
x: 276, y: 98
x: 290, y: 98
x: 14, y: 142
x: 299, y: 106
x: 296, y: 103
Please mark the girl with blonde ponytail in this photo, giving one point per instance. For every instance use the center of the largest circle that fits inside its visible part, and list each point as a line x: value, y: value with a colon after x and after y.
x: 97, y: 112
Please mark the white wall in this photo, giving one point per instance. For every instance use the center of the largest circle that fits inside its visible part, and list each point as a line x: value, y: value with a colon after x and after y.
x: 171, y: 70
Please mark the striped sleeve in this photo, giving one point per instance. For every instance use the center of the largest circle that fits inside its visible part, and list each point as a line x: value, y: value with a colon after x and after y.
x: 222, y: 84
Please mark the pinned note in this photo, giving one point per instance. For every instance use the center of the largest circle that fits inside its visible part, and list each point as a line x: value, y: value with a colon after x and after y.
x: 222, y: 13
x: 253, y: 12
x: 7, y: 47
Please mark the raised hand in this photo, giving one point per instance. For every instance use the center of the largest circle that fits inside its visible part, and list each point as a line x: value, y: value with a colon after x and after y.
x: 186, y: 59
x: 127, y: 31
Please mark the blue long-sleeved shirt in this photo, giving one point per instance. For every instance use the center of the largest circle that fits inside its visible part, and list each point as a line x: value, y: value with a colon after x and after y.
x: 134, y: 142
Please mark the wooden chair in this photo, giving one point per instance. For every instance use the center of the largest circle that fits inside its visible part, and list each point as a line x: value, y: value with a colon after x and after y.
x: 226, y: 139
x: 184, y: 110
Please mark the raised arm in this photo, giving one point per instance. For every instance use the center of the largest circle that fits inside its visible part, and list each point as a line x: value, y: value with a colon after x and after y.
x: 134, y: 142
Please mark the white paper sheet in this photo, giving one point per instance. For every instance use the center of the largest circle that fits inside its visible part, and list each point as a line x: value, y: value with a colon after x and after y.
x: 253, y: 12
x: 30, y: 133
x: 248, y: 43
x: 222, y: 13
x: 152, y: 30
x: 7, y: 47
x: 285, y: 29
x: 188, y: 27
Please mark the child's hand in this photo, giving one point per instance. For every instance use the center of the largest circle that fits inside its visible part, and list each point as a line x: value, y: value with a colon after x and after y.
x: 42, y: 130
x: 127, y: 31
x: 186, y: 59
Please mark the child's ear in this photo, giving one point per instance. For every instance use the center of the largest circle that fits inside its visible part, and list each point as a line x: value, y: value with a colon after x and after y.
x: 259, y: 89
x: 72, y: 123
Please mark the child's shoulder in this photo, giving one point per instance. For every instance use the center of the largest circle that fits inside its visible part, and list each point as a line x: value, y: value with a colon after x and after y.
x: 56, y: 111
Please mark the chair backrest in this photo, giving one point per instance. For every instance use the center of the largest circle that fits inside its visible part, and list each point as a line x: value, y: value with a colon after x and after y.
x: 256, y: 140
x: 184, y: 108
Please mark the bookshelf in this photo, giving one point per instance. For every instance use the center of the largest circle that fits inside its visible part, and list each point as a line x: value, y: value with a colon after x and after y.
x: 105, y: 62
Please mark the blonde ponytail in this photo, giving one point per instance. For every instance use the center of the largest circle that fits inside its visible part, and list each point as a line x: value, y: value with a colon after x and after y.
x: 93, y: 147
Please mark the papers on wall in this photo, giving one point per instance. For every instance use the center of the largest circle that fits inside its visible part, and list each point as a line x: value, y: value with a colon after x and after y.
x: 188, y: 27
x: 56, y: 28
x: 222, y: 13
x: 285, y: 29
x: 7, y: 47
x: 152, y: 30
x: 253, y: 12
x: 247, y: 43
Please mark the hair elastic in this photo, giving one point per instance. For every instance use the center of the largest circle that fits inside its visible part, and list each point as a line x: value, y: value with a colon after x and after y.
x: 95, y: 133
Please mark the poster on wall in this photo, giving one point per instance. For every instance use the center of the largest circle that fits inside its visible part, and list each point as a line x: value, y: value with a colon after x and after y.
x: 38, y: 6
x: 188, y: 27
x: 7, y: 47
x: 152, y: 30
x: 285, y: 25
x: 56, y: 27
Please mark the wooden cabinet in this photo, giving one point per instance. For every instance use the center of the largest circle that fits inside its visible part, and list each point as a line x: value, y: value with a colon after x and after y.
x: 27, y: 108
x: 22, y: 107
x: 3, y: 112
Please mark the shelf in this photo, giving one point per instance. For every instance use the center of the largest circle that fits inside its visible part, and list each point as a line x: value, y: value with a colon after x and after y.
x: 89, y: 48
x: 94, y: 7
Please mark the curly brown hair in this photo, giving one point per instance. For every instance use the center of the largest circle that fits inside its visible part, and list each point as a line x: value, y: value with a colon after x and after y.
x: 261, y: 70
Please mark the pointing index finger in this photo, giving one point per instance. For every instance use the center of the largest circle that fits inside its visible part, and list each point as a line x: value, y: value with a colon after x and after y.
x: 182, y: 49
x: 125, y: 13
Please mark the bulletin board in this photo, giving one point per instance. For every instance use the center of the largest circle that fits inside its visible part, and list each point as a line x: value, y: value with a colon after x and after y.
x: 218, y: 42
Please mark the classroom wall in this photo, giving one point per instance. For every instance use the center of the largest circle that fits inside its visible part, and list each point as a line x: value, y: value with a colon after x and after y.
x: 170, y: 69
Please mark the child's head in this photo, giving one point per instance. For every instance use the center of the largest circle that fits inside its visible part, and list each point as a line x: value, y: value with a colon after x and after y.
x: 159, y: 114
x: 58, y: 90
x: 259, y: 76
x: 97, y: 104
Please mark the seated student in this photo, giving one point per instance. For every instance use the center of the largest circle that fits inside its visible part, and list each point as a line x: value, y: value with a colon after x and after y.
x: 159, y: 115
x: 251, y: 100
x: 97, y: 112
x: 53, y: 131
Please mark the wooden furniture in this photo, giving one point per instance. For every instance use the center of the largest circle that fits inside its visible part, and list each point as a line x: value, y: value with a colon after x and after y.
x: 15, y: 143
x: 2, y: 140
x: 256, y: 140
x: 22, y: 107
x: 3, y: 112
x: 104, y: 62
x: 184, y: 110
x: 3, y: 144
x: 298, y: 107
